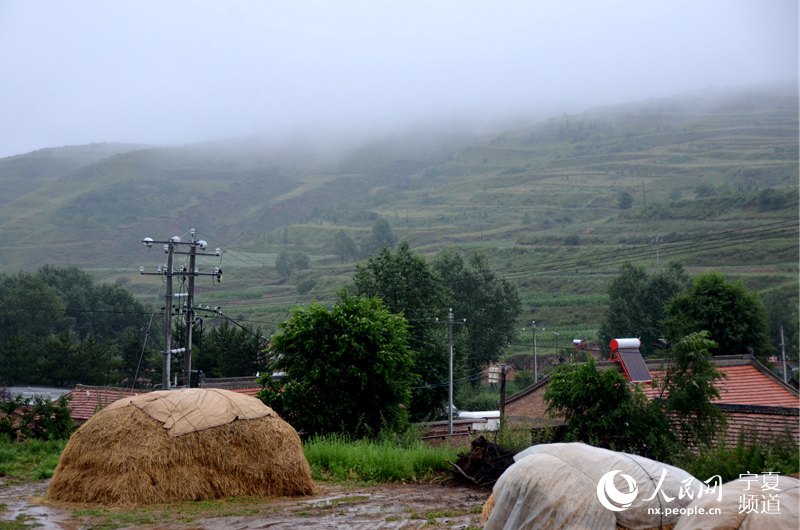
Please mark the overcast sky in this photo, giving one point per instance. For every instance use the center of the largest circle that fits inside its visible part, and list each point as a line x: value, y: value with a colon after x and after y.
x: 158, y: 71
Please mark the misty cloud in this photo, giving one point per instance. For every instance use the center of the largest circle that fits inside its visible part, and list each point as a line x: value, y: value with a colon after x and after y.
x: 184, y: 71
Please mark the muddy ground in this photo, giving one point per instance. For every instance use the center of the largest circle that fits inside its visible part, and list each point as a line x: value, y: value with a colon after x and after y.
x: 334, y: 506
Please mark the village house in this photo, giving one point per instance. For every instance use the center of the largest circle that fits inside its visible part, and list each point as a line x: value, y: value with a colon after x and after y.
x: 756, y: 402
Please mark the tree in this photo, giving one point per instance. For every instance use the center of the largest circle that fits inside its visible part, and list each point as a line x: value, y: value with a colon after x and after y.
x: 637, y: 301
x: 347, y: 369
x: 58, y: 360
x: 733, y: 316
x: 381, y: 237
x: 601, y: 409
x: 103, y: 311
x: 624, y: 200
x: 782, y: 313
x: 288, y: 262
x: 409, y: 286
x: 31, y: 308
x: 689, y: 389
x: 229, y: 351
x: 344, y: 246
x: 489, y: 304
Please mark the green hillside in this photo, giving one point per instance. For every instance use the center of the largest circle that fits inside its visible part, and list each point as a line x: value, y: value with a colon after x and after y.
x: 709, y: 180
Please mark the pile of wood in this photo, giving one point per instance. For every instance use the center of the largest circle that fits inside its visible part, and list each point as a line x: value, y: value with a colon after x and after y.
x: 483, y: 464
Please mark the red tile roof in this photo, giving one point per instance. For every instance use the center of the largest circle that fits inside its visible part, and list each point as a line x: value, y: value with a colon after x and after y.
x: 85, y: 401
x: 745, y: 384
x: 250, y: 391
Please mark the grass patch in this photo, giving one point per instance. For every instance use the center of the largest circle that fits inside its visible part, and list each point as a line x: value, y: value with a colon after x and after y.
x: 29, y: 460
x: 21, y: 521
x: 184, y: 512
x: 338, y: 458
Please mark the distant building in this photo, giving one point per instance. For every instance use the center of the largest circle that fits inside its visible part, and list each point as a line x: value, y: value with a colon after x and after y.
x: 754, y: 400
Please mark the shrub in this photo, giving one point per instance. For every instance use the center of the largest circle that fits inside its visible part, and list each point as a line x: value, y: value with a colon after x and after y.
x: 749, y: 455
x: 38, y: 418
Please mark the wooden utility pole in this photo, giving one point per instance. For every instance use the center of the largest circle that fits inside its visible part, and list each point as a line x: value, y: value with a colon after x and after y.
x: 450, y: 322
x: 502, y: 395
x: 189, y: 272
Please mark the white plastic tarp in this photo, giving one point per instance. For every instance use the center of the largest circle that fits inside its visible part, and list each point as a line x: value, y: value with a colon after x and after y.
x: 577, y: 486
x: 751, y: 502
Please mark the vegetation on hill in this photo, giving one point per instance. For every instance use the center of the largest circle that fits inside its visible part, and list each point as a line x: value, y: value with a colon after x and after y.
x: 708, y: 181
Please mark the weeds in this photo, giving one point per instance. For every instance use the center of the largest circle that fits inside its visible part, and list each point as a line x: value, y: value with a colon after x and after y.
x: 336, y: 457
x: 29, y: 460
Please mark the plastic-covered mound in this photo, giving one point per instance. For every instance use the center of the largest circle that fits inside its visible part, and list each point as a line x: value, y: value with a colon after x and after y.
x: 564, y: 486
x: 124, y: 456
x: 748, y: 503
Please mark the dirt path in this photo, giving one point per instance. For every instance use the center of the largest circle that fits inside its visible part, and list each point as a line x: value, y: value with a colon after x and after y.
x: 335, y: 506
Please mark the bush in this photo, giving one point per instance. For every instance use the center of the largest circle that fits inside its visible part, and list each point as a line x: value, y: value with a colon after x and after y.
x: 780, y: 455
x: 38, y: 418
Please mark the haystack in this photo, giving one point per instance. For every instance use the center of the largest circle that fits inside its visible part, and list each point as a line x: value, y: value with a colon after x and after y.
x: 558, y: 486
x: 189, y: 444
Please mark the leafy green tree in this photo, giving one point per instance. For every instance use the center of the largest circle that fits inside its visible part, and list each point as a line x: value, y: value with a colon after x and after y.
x: 288, y: 262
x: 409, y: 286
x: 31, y: 308
x: 689, y: 390
x: 101, y: 310
x: 489, y: 304
x: 348, y: 368
x: 58, y: 359
x: 229, y: 351
x: 38, y: 417
x: 140, y: 365
x: 637, y: 301
x: 624, y: 200
x: 344, y: 246
x: 97, y: 362
x: 601, y: 409
x: 17, y: 361
x: 381, y: 237
x: 733, y: 316
x: 782, y: 313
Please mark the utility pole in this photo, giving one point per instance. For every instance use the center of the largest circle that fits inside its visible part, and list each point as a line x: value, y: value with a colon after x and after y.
x: 657, y: 242
x: 783, y: 357
x: 168, y: 271
x: 502, y: 395
x: 535, y: 359
x: 450, y: 322
x: 190, y: 314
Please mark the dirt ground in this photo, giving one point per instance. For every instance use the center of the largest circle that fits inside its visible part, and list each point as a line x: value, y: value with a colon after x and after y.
x: 334, y: 506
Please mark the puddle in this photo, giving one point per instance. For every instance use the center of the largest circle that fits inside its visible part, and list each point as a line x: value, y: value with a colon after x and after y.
x: 23, y: 503
x: 334, y: 507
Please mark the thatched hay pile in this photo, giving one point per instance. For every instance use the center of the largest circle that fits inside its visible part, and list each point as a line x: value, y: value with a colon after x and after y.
x: 122, y: 455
